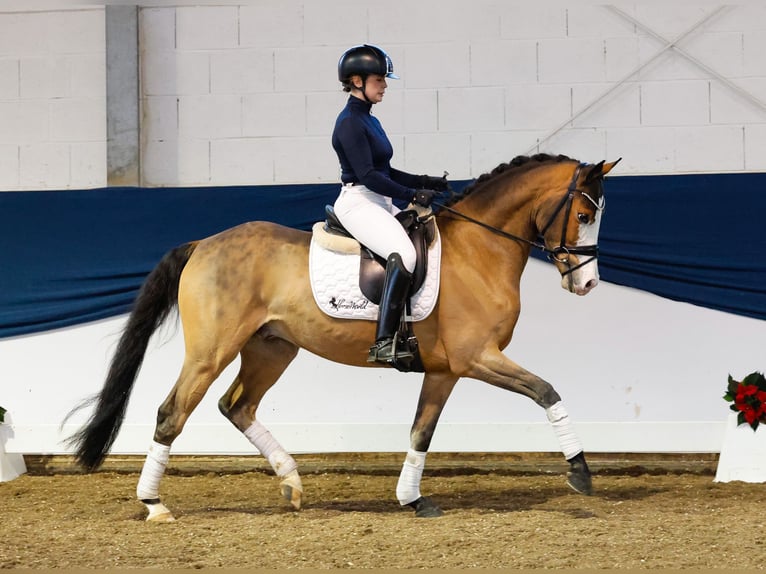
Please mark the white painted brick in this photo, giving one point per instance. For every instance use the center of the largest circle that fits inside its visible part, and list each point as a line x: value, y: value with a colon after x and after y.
x: 306, y: 69
x: 76, y: 31
x: 9, y: 72
x: 304, y: 160
x: 728, y: 106
x: 157, y: 30
x: 271, y: 24
x: 742, y: 17
x: 722, y: 52
x: 588, y: 145
x: 490, y: 149
x: 210, y: 117
x: 754, y: 59
x: 242, y: 162
x: 23, y: 122
x: 241, y: 71
x: 711, y: 148
x: 44, y: 166
x: 438, y: 66
x: 621, y: 107
x: 672, y: 18
x: 531, y: 107
x: 471, y: 110
x: 87, y: 75
x: 274, y: 115
x: 675, y: 103
x: 77, y: 120
x: 21, y: 34
x: 622, y: 58
x: 755, y: 147
x: 182, y: 73
x: 428, y: 21
x: 597, y: 21
x: 181, y: 162
x: 435, y: 153
x: 9, y: 167
x: 88, y: 165
x: 571, y: 60
x: 322, y: 108
x: 340, y: 25
x: 669, y: 65
x: 160, y: 118
x: 206, y: 27
x: 643, y: 150
x: 503, y: 62
x: 44, y: 77
x: 537, y: 21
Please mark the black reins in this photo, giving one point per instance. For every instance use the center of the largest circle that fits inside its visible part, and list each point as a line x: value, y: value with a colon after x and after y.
x: 562, y: 252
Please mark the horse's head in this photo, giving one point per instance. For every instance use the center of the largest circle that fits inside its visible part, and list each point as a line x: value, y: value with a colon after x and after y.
x: 569, y: 218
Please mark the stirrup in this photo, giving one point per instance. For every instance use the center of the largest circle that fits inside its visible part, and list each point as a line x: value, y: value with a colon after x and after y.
x: 388, y: 350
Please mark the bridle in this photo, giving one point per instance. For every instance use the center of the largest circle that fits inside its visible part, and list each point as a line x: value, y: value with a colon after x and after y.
x: 561, y: 253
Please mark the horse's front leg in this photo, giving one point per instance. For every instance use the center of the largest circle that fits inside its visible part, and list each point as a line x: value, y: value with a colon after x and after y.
x: 498, y: 370
x: 434, y: 393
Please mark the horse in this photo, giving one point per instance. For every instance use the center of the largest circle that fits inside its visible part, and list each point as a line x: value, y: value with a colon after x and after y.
x: 246, y: 291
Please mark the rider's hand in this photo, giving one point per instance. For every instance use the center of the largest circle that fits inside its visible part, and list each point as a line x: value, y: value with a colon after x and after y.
x: 437, y: 183
x: 424, y: 197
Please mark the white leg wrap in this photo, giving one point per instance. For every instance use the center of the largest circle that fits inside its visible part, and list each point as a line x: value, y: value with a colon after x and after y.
x: 408, y: 487
x: 154, y: 467
x: 558, y: 417
x: 282, y: 463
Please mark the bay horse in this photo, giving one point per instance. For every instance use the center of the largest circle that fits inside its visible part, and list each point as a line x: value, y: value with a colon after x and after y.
x: 247, y: 291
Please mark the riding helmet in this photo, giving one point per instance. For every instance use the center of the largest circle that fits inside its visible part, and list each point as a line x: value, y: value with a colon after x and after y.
x: 365, y: 60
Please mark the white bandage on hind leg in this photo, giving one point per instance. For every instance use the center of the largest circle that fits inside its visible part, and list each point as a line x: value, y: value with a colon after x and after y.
x: 558, y: 417
x: 408, y: 487
x: 154, y: 467
x: 267, y: 445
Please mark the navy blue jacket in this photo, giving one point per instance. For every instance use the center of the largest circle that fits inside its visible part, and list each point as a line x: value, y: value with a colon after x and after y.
x: 364, y: 152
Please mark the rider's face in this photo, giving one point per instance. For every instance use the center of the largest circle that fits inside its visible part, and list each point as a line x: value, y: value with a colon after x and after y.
x: 374, y: 87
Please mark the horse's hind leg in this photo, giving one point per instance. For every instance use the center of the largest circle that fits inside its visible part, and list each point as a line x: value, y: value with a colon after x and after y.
x: 264, y: 359
x: 192, y: 384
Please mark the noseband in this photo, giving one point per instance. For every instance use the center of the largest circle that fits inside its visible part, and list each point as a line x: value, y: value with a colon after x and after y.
x: 561, y: 253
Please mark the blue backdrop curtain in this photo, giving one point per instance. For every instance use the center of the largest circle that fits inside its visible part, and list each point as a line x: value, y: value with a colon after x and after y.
x: 69, y: 257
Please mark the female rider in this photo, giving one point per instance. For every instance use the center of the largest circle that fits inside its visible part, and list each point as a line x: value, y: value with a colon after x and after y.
x: 365, y: 205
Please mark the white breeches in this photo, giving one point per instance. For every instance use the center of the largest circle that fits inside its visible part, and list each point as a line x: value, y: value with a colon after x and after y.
x: 369, y: 217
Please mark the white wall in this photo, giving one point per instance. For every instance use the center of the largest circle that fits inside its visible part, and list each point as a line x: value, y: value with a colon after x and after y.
x: 52, y: 98
x: 247, y: 95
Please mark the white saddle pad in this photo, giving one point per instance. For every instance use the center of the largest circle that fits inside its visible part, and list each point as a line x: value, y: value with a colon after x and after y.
x: 335, y: 284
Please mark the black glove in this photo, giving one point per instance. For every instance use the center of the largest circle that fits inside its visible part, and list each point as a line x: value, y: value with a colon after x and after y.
x: 430, y: 182
x: 424, y: 197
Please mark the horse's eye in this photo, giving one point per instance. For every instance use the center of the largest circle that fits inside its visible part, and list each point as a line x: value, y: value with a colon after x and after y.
x: 583, y: 218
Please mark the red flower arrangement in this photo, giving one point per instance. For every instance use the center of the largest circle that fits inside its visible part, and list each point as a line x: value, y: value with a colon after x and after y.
x: 749, y: 399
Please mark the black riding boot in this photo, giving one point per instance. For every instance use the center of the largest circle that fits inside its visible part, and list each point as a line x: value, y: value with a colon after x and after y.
x: 396, y: 285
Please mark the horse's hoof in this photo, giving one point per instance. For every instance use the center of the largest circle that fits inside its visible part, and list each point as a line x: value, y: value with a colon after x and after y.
x: 292, y: 489
x: 159, y: 513
x: 580, y: 481
x: 425, y: 508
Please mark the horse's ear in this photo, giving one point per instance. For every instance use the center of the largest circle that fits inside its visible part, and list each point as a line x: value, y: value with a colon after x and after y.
x: 599, y: 170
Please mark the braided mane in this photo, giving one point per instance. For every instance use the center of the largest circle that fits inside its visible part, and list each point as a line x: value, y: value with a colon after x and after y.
x: 517, y: 162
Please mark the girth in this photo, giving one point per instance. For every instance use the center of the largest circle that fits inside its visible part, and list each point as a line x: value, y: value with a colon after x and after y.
x: 372, y: 268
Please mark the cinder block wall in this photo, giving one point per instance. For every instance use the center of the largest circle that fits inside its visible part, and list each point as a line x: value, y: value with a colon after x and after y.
x: 248, y: 94
x: 52, y: 98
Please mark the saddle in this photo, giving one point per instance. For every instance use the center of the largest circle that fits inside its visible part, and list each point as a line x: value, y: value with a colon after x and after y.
x: 372, y: 267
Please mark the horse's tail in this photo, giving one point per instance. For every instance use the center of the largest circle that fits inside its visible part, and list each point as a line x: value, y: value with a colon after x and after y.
x: 157, y: 297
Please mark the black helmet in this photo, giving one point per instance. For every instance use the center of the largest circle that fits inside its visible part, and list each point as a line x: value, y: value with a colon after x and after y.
x: 365, y: 60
